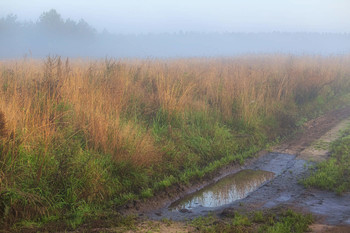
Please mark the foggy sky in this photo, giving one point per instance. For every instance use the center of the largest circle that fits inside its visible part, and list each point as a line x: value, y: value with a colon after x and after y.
x: 157, y: 16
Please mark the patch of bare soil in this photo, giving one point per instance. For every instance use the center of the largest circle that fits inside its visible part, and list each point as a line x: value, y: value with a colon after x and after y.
x: 329, y: 229
x: 149, y: 226
x: 159, y: 226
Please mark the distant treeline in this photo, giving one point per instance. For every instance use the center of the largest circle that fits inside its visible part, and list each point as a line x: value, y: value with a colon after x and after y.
x: 51, y: 34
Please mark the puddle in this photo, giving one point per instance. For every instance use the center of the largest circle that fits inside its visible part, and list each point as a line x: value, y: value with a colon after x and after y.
x: 225, y: 191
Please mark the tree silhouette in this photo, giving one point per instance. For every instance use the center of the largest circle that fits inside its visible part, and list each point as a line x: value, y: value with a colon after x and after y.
x: 51, y: 21
x: 9, y: 23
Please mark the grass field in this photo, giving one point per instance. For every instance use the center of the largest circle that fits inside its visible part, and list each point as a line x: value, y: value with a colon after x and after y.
x: 80, y: 137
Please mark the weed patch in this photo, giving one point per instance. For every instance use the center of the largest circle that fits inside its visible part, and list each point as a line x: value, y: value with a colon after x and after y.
x: 285, y: 221
x: 334, y: 174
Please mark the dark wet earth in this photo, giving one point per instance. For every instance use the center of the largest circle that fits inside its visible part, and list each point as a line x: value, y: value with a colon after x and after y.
x: 274, y: 182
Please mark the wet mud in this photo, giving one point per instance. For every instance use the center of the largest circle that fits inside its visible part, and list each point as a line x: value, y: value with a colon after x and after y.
x: 286, y: 190
x: 282, y: 190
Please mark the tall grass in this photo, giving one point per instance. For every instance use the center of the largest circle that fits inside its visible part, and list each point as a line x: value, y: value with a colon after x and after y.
x: 77, y: 134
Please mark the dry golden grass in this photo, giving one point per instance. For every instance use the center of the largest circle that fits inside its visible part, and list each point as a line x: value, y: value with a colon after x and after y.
x: 2, y: 125
x: 99, y: 94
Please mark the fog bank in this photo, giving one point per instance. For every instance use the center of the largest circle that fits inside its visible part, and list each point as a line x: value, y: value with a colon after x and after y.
x: 53, y: 35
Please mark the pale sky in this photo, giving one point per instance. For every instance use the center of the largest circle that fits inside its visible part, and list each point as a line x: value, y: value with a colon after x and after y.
x: 144, y: 16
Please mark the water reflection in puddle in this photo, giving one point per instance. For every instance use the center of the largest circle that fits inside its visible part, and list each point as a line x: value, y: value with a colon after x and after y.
x: 225, y: 191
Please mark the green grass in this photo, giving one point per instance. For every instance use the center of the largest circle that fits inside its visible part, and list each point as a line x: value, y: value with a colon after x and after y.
x: 333, y: 174
x: 271, y: 221
x: 320, y: 145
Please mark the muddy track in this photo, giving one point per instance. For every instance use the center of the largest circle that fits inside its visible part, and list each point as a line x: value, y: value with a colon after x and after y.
x: 288, y: 163
x: 312, y: 130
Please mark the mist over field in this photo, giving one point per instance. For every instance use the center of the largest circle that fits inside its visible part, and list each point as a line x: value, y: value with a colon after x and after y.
x: 176, y: 115
x: 52, y: 34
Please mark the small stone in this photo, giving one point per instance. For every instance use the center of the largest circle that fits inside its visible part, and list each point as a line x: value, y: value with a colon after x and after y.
x: 129, y: 205
x: 184, y: 210
x: 158, y: 213
x: 228, y: 212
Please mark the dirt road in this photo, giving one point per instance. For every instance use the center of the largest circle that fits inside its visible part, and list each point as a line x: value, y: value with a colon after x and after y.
x: 290, y: 162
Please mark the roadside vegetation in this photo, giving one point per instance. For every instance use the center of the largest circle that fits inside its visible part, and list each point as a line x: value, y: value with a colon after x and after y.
x: 333, y: 174
x: 81, y: 138
x: 269, y: 222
